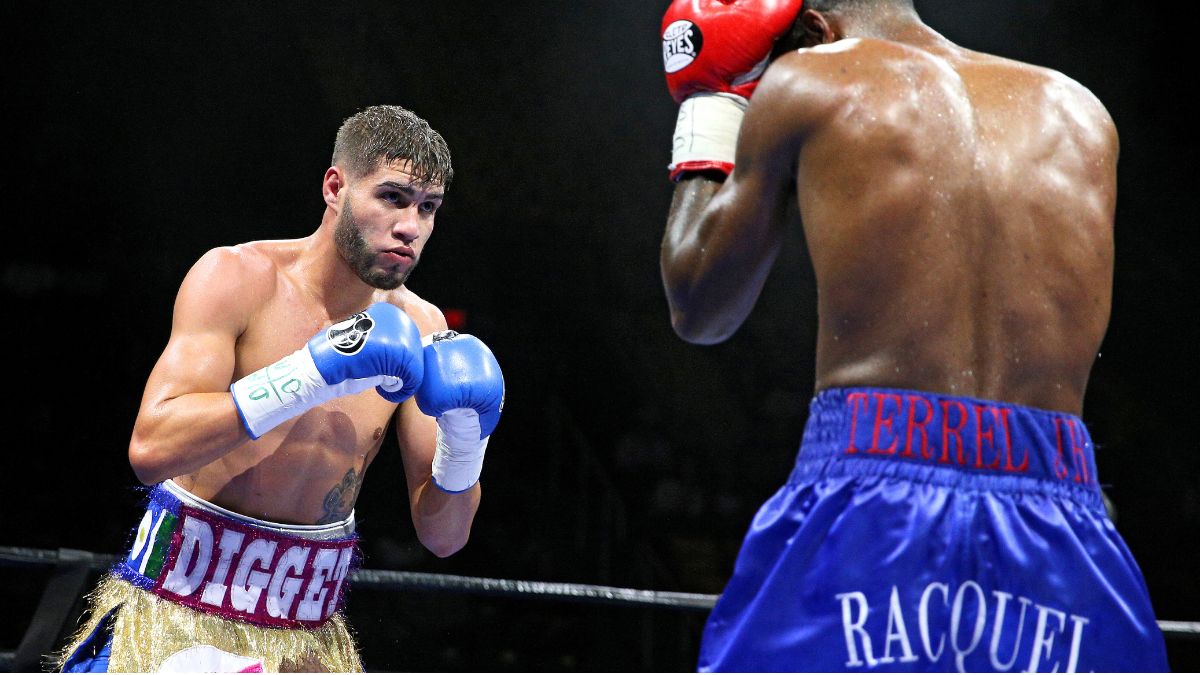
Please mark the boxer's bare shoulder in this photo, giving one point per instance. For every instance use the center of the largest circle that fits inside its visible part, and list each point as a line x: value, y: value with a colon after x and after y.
x: 852, y: 61
x: 814, y: 88
x: 860, y: 88
x: 228, y: 284
x: 425, y: 314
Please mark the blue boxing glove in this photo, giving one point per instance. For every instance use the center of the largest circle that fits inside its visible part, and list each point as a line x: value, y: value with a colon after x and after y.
x: 378, y: 347
x: 464, y: 389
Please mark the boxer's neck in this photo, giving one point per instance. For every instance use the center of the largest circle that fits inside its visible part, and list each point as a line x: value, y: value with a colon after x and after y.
x: 328, y: 277
x: 893, y: 23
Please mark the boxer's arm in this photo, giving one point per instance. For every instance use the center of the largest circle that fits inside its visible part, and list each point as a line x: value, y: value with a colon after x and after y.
x: 442, y: 520
x: 723, y: 237
x: 187, y: 417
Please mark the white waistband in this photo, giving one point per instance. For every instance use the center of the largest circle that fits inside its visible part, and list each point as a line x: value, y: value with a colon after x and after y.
x: 338, y: 530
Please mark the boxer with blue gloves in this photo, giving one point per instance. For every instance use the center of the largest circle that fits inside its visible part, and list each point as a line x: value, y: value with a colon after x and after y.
x: 379, y: 347
x: 287, y: 361
x: 464, y: 389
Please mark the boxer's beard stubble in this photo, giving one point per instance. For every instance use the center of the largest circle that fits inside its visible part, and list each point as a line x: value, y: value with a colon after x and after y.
x: 359, y: 256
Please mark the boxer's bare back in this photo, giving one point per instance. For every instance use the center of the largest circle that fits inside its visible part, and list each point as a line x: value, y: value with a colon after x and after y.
x: 958, y: 209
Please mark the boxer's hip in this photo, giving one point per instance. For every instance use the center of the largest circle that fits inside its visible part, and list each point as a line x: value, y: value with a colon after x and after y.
x: 923, y: 531
x: 948, y: 440
x: 202, y: 582
x: 135, y: 631
x: 194, y: 553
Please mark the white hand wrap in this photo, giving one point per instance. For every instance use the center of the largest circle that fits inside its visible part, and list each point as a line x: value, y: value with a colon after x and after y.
x: 706, y: 130
x: 458, y: 460
x: 290, y: 387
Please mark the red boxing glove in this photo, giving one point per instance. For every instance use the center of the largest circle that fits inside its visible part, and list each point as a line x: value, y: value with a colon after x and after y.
x: 714, y: 52
x: 721, y: 45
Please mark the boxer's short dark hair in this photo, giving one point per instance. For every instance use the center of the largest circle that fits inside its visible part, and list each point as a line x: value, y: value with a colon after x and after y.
x: 829, y: 5
x: 389, y: 133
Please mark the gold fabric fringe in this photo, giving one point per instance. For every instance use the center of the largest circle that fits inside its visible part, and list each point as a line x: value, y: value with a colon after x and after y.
x: 148, y: 629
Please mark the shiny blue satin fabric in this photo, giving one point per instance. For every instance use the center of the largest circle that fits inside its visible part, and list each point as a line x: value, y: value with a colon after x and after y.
x: 93, y: 655
x: 923, y: 532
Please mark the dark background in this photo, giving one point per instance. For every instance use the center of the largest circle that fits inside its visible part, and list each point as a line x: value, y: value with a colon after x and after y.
x: 142, y: 135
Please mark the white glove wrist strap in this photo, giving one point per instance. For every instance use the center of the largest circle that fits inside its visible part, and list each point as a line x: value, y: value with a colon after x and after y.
x: 287, y: 388
x: 458, y: 460
x: 706, y: 129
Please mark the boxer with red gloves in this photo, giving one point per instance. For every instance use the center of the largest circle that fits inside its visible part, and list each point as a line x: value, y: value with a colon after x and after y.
x: 944, y: 511
x: 714, y: 52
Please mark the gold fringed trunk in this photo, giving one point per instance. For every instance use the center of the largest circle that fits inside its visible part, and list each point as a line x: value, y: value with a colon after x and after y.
x: 205, y: 588
x: 148, y: 629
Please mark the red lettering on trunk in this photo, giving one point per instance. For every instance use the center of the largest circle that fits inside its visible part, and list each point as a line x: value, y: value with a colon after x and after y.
x: 948, y: 430
x: 1008, y: 447
x: 1060, y: 467
x: 1082, y: 475
x: 926, y: 453
x: 980, y: 435
x: 881, y: 421
x: 853, y: 399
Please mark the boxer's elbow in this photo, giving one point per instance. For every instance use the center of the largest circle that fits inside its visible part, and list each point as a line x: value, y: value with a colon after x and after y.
x: 441, y: 543
x: 148, y: 465
x: 697, y: 328
x: 443, y: 520
x: 150, y: 454
x: 692, y: 314
x: 444, y: 529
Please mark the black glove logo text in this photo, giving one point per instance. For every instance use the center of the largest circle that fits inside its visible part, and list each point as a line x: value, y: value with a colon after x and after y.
x: 349, y: 336
x: 681, y: 45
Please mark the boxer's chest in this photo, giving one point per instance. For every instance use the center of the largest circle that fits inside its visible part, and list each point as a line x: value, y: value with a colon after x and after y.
x: 352, y: 423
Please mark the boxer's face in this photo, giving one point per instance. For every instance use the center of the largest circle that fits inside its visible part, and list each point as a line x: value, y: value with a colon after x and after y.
x: 386, y: 218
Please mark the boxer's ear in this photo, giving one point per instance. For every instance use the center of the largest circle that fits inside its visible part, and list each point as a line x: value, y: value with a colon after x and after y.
x: 791, y: 40
x: 332, y: 186
x: 816, y: 28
